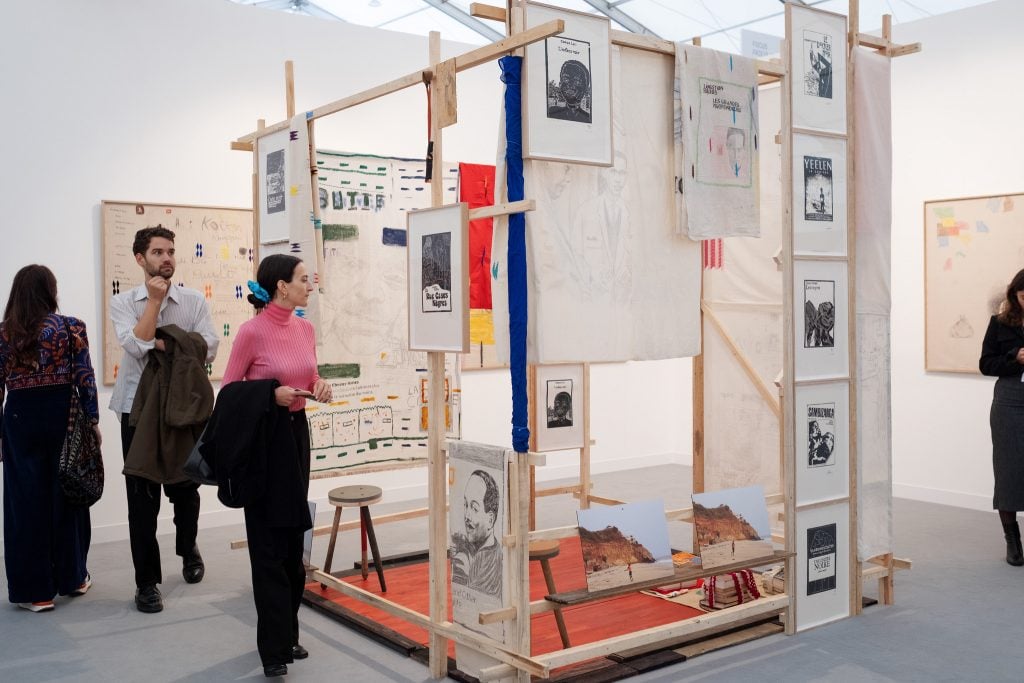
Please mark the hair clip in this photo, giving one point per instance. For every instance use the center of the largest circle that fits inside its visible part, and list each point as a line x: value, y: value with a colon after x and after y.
x: 258, y: 291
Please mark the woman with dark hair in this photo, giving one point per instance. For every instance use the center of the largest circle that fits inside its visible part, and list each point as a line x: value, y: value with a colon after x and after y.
x: 1002, y: 356
x: 279, y: 345
x: 44, y: 356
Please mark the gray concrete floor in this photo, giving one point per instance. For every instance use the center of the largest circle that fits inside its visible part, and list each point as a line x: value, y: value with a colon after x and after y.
x: 957, y: 615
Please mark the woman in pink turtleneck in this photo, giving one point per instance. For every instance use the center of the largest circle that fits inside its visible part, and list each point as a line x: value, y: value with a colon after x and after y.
x: 277, y: 344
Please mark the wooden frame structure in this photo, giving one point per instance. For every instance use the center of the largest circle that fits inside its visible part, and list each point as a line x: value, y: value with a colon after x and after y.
x: 514, y: 659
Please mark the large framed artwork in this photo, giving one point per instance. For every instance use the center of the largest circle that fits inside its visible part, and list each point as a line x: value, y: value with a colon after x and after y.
x: 214, y: 255
x: 439, y: 279
x: 819, y: 195
x: 820, y: 313
x: 559, y: 400
x: 823, y: 565
x: 823, y: 423
x: 818, y: 59
x: 567, y: 106
x: 973, y: 246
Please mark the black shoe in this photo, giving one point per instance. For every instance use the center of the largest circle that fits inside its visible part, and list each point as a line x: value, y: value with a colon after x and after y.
x: 149, y: 600
x: 1014, y: 552
x: 275, y: 670
x: 299, y: 652
x: 193, y: 569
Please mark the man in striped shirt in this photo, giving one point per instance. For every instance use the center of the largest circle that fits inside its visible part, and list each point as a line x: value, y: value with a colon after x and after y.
x: 136, y: 314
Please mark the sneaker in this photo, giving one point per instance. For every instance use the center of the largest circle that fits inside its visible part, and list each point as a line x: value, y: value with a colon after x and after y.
x: 84, y: 588
x: 44, y: 606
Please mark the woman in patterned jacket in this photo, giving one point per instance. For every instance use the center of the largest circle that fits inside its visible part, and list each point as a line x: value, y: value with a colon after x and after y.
x: 44, y: 356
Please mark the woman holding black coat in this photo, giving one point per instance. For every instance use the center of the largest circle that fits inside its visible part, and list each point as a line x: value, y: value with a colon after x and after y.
x: 1002, y: 356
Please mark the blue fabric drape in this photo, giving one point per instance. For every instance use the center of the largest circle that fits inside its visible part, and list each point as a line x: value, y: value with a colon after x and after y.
x: 511, y: 68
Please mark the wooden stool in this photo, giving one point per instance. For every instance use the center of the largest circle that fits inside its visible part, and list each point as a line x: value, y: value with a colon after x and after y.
x: 544, y: 551
x: 351, y: 496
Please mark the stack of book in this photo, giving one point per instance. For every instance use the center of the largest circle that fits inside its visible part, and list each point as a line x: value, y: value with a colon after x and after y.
x: 774, y: 580
x: 728, y: 590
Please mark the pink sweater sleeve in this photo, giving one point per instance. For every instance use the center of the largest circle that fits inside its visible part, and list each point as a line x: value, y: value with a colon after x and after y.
x: 242, y: 353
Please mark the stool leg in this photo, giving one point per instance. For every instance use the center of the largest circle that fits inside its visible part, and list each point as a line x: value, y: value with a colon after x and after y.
x: 368, y: 522
x: 550, y: 581
x: 362, y: 539
x: 334, y: 539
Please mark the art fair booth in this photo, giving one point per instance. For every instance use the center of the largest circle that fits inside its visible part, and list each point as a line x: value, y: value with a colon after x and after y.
x: 649, y: 200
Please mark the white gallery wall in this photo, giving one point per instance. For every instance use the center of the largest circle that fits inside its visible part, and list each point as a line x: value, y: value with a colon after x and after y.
x: 956, y: 133
x: 138, y: 100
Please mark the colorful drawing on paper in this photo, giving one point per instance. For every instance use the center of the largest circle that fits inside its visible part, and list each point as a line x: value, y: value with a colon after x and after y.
x: 379, y: 413
x: 973, y: 247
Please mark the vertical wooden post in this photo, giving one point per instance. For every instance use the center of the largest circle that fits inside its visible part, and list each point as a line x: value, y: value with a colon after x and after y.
x: 437, y: 479
x: 585, y: 451
x: 260, y: 125
x: 314, y: 187
x: 533, y: 408
x: 887, y: 33
x: 855, y: 565
x: 289, y: 88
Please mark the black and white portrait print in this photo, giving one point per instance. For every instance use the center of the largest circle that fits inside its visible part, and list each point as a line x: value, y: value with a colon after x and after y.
x: 559, y: 403
x: 817, y: 64
x: 569, y: 87
x: 437, y: 272
x: 817, y: 188
x: 275, y: 181
x: 821, y: 559
x: 475, y: 551
x: 819, y: 313
x: 821, y: 434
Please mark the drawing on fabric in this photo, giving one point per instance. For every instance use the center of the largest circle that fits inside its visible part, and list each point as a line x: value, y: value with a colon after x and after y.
x: 821, y: 559
x: 818, y: 188
x: 819, y: 313
x: 962, y: 329
x: 724, y: 132
x: 567, y: 69
x: 275, y: 181
x: 623, y: 544
x: 476, y: 523
x: 817, y: 64
x: 821, y: 434
x: 436, y: 267
x: 380, y: 402
x: 559, y: 403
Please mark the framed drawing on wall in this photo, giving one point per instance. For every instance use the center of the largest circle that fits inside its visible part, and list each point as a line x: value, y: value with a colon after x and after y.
x: 818, y: 63
x: 819, y: 195
x: 559, y: 400
x: 820, y: 311
x: 567, y: 105
x: 823, y: 423
x: 972, y: 249
x: 438, y: 279
x: 215, y: 256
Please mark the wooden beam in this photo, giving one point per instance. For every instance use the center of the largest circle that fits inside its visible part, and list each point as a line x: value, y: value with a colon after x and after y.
x: 482, y: 11
x: 289, y: 88
x: 491, y: 52
x: 504, y: 614
x: 445, y: 628
x: 444, y: 81
x: 325, y: 529
x: 765, y: 606
x: 558, y: 490
x: 502, y: 209
x: 241, y: 146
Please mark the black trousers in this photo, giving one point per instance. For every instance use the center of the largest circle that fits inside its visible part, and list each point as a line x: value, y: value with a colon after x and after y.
x: 278, y: 573
x: 143, y: 508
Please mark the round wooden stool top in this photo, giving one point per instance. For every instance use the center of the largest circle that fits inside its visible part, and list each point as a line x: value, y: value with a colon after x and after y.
x: 543, y: 550
x: 360, y: 494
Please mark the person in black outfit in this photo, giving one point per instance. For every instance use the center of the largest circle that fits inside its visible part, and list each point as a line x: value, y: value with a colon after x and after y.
x: 1002, y: 356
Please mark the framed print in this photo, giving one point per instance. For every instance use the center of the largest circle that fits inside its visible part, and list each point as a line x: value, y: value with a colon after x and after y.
x: 820, y: 316
x: 823, y: 565
x: 819, y: 195
x: 972, y: 248
x: 559, y: 401
x: 823, y: 424
x: 273, y: 200
x: 438, y: 279
x: 817, y: 56
x: 567, y: 106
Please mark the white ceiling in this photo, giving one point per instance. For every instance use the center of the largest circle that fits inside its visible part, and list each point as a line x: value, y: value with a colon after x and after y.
x: 717, y: 22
